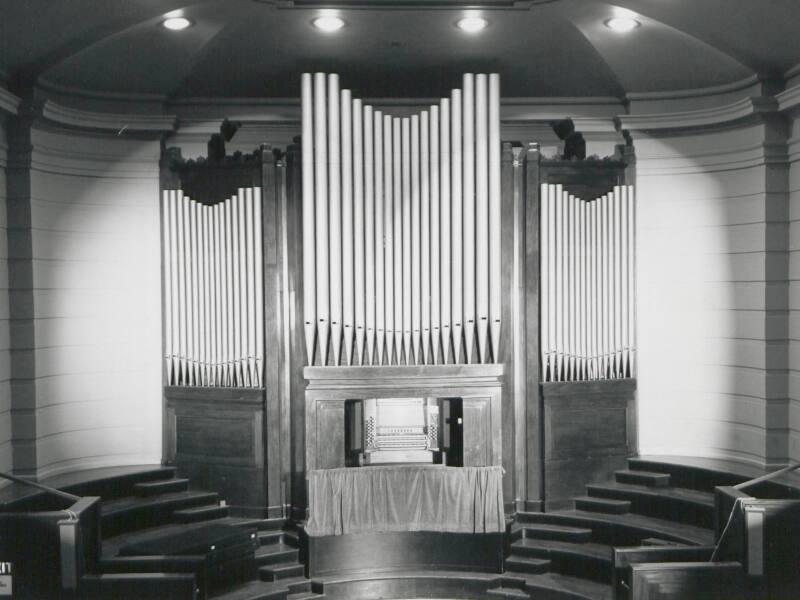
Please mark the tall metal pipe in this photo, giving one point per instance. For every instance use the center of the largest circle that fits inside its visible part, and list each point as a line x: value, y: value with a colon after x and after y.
x: 167, y: 235
x: 348, y: 159
x: 436, y: 311
x: 399, y: 284
x: 321, y: 213
x: 365, y: 234
x: 335, y: 218
x: 414, y: 234
x: 388, y: 231
x: 425, y: 234
x: 230, y: 304
x: 468, y: 176
x: 183, y: 315
x: 406, y: 259
x: 632, y: 280
x: 481, y: 214
x: 380, y: 296
x: 545, y: 277
x: 495, y: 197
x: 445, y: 201
x: 309, y: 234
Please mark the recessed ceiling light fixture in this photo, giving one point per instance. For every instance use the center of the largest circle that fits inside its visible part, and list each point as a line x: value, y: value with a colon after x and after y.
x: 328, y: 23
x: 472, y: 24
x: 622, y: 24
x: 176, y: 23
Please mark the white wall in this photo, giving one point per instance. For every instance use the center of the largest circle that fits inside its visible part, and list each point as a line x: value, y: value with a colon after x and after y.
x: 97, y: 297
x: 794, y: 294
x: 712, y: 297
x: 5, y: 365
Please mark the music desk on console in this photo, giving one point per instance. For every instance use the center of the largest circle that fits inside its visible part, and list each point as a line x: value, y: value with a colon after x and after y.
x: 403, y: 517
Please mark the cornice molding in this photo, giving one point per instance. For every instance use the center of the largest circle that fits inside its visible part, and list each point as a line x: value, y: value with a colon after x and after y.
x: 741, y: 110
x: 117, y: 122
x: 789, y: 99
x: 795, y: 70
x: 715, y: 90
x: 9, y: 103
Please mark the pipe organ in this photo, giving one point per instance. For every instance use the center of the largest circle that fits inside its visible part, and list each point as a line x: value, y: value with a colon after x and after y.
x: 213, y: 290
x: 401, y: 227
x: 587, y: 285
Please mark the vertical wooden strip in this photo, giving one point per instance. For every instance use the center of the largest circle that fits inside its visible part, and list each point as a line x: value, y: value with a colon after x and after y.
x: 309, y: 234
x: 481, y: 215
x: 425, y: 234
x: 348, y: 230
x: 321, y: 214
x: 380, y: 296
x: 468, y: 153
x: 436, y: 311
x: 365, y: 234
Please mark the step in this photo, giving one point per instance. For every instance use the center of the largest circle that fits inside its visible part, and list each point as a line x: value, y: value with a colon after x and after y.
x: 505, y: 592
x: 522, y: 564
x: 593, y: 561
x: 558, y: 532
x: 270, y: 536
x: 659, y: 543
x: 674, y: 504
x: 291, y: 539
x: 556, y: 585
x: 273, y: 523
x: 297, y: 585
x: 276, y: 572
x: 139, y: 586
x: 135, y: 512
x: 252, y: 590
x: 200, y: 513
x: 274, y: 554
x: 648, y: 478
x: 165, y: 486
x: 603, y: 505
x: 304, y: 596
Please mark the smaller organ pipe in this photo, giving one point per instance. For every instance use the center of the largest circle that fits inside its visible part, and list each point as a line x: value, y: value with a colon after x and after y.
x: 406, y: 229
x: 244, y: 323
x: 444, y: 199
x: 259, y: 282
x: 365, y: 234
x: 436, y: 340
x: 230, y: 303
x: 415, y: 235
x: 632, y: 279
x: 495, y: 193
x: 425, y: 234
x: 219, y: 290
x: 193, y: 289
x: 380, y: 297
x: 166, y: 224
x: 545, y: 281
x: 321, y: 213
x: 468, y: 173
x: 573, y: 288
x: 202, y: 259
x: 461, y: 272
x: 251, y: 287
x: 481, y: 215
x: 209, y: 320
x: 388, y: 231
x: 309, y: 234
x: 349, y: 160
x: 398, y: 240
x: 335, y: 217
x: 182, y: 290
x: 236, y: 285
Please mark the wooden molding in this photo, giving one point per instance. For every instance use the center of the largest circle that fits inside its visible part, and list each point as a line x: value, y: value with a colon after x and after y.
x: 789, y: 99
x: 741, y: 110
x: 393, y: 376
x: 725, y: 88
x: 117, y: 122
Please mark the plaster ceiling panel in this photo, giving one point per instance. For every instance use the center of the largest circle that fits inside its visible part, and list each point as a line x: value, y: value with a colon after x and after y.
x: 401, y: 54
x: 653, y: 57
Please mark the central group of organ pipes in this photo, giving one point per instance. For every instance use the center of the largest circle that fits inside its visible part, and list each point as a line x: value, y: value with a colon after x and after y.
x: 401, y: 227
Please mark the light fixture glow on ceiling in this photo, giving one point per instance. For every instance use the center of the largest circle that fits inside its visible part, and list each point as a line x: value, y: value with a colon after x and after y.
x: 622, y: 24
x: 328, y: 23
x: 176, y: 23
x: 472, y: 24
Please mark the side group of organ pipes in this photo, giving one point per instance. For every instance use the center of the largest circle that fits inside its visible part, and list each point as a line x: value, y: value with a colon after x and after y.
x: 213, y: 290
x: 401, y: 227
x: 587, y: 285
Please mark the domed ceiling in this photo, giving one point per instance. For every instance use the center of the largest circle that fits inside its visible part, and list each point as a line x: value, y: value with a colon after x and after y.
x: 257, y: 48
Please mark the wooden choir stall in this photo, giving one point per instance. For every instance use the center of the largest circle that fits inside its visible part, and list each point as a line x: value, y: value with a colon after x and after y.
x: 401, y: 330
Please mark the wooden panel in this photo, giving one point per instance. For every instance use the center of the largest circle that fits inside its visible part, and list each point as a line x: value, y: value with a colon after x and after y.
x: 477, y: 432
x: 215, y: 436
x: 330, y: 446
x: 589, y: 431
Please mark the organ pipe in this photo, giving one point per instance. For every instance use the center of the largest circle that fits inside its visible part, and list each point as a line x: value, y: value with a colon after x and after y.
x: 404, y: 214
x: 587, y: 285
x: 213, y: 288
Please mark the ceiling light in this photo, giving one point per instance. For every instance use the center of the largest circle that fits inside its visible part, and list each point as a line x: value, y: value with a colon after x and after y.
x: 472, y: 24
x: 622, y: 24
x: 176, y: 23
x: 328, y: 24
